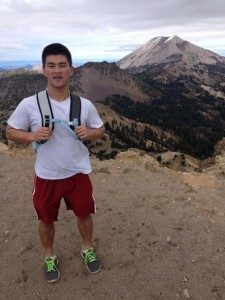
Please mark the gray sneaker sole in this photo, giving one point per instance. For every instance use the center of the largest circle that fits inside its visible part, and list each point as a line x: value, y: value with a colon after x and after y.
x: 53, y: 280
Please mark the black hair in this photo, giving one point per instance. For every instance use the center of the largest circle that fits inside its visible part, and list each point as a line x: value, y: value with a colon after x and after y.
x: 55, y: 49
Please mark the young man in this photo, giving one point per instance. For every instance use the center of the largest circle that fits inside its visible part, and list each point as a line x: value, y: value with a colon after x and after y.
x: 62, y: 162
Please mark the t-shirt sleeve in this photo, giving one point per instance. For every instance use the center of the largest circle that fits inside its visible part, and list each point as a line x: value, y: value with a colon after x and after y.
x: 93, y: 120
x: 20, y: 118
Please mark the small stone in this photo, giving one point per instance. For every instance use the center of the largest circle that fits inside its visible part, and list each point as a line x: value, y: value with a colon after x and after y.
x: 185, y: 279
x: 186, y: 293
x: 104, y: 170
x: 151, y: 166
x: 127, y: 171
x: 168, y: 239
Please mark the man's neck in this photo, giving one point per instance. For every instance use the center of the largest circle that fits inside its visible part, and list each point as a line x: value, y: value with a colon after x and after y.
x: 58, y: 94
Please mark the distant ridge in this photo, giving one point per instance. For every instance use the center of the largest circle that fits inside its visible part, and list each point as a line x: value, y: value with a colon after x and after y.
x: 29, y: 64
x: 33, y: 64
x: 8, y: 65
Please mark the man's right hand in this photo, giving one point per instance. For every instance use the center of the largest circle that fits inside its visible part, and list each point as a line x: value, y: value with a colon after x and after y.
x: 43, y: 133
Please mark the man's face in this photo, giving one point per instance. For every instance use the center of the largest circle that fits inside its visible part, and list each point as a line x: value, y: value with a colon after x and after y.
x: 57, y: 70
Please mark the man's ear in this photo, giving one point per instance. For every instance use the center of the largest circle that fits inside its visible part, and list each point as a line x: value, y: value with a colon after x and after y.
x: 43, y: 70
x: 72, y: 70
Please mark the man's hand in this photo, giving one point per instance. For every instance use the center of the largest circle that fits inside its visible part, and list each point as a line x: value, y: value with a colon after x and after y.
x: 83, y: 132
x: 24, y: 137
x: 89, y: 133
x: 43, y: 133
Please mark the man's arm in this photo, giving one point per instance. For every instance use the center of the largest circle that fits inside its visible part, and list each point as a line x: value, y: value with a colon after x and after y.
x: 24, y: 137
x: 90, y: 133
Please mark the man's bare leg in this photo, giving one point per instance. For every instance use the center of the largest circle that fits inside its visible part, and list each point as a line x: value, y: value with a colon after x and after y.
x: 85, y: 226
x: 47, y: 233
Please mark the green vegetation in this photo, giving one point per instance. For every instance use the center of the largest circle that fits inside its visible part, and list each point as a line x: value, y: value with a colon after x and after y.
x: 198, y: 122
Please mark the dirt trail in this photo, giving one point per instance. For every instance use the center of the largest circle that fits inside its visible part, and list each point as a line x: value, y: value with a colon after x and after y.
x: 158, y: 236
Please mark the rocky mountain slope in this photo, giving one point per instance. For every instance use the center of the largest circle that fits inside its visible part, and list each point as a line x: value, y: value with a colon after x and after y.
x: 159, y: 233
x: 173, y: 56
x: 100, y: 80
x: 167, y: 58
x: 167, y: 50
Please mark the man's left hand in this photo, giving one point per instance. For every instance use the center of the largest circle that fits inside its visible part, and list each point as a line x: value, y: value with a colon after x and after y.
x: 83, y: 132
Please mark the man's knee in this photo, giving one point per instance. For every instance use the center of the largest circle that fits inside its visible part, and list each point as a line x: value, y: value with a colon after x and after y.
x: 84, y: 218
x: 46, y: 226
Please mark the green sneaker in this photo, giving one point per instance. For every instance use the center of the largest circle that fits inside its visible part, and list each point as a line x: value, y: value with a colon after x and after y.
x: 51, y: 272
x: 92, y: 262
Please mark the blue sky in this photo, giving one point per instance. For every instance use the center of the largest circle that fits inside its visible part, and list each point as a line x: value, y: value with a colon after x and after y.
x: 96, y: 30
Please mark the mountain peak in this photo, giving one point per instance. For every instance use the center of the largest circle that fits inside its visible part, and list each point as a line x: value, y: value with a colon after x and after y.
x: 168, y: 49
x: 160, y: 40
x: 174, y: 39
x: 165, y: 39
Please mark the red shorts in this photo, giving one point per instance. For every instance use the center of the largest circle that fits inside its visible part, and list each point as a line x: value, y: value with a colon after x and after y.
x: 76, y: 191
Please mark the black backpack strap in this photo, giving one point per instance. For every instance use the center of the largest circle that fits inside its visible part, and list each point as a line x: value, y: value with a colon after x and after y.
x: 45, y: 109
x: 75, y: 109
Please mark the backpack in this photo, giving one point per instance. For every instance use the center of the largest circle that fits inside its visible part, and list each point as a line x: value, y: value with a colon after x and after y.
x: 48, y: 119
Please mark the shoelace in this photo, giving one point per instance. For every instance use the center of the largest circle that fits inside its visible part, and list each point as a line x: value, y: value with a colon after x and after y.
x: 90, y: 256
x: 50, y: 265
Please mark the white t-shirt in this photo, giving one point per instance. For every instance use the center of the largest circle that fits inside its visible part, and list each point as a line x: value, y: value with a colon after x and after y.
x: 62, y: 155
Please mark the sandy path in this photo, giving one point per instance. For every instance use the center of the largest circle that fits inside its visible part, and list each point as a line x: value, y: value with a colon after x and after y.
x: 158, y: 238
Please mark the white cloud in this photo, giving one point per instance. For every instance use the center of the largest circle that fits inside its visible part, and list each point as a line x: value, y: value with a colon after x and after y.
x: 97, y: 29
x: 12, y: 46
